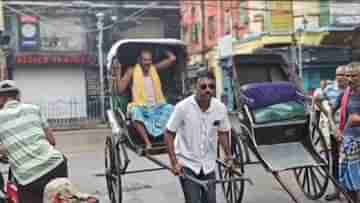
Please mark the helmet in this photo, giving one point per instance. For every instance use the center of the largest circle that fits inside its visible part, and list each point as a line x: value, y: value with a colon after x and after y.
x: 8, y: 86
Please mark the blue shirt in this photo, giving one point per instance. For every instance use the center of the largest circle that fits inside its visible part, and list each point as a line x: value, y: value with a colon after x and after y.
x: 332, y: 93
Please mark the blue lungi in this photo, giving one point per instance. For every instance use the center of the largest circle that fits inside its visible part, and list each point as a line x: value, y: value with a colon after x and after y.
x: 153, y: 118
x: 349, y: 173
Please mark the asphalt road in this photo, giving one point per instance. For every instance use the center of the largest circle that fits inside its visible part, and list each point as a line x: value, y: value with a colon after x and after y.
x: 85, y: 151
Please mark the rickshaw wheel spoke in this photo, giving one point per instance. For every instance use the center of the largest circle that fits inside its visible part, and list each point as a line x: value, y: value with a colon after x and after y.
x: 233, y: 191
x: 304, y: 179
x: 313, y: 182
x: 298, y: 172
x: 308, y: 180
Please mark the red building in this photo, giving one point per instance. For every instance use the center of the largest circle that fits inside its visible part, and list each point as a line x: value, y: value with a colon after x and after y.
x: 220, y: 18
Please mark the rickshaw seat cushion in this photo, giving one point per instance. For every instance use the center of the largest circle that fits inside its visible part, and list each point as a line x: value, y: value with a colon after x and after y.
x: 260, y: 95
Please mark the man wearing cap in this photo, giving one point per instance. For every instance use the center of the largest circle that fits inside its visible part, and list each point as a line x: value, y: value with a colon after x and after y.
x: 333, y: 93
x: 25, y: 139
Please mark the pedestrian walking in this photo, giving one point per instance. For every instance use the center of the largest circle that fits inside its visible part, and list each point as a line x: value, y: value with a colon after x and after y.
x: 192, y: 133
x: 25, y: 138
x: 315, y: 107
x: 333, y: 93
x: 349, y: 160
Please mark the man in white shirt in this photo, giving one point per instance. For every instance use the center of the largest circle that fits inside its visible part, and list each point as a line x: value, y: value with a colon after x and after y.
x: 199, y: 122
x: 315, y: 107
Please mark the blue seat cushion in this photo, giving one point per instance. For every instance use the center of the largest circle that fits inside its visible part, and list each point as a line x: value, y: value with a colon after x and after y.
x: 259, y: 95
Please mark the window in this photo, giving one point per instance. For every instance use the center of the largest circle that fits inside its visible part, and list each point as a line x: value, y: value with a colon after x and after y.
x: 195, y: 28
x: 195, y: 32
x: 227, y: 22
x: 244, y: 19
x: 324, y: 13
x: 211, y: 28
x: 185, y: 33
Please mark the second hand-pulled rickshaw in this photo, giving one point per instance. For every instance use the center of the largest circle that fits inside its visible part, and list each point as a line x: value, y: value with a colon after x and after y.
x: 271, y: 119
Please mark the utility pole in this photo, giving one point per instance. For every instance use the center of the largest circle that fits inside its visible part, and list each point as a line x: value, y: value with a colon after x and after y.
x: 100, y: 27
x: 304, y: 22
x: 3, y: 64
x: 203, y: 36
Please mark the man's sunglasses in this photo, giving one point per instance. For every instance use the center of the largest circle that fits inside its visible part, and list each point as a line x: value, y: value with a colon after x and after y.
x: 210, y: 86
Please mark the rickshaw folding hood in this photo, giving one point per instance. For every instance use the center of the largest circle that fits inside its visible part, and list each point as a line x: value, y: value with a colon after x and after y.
x: 114, y: 49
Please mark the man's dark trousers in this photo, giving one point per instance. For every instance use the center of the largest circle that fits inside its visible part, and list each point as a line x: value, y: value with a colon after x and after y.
x: 193, y: 192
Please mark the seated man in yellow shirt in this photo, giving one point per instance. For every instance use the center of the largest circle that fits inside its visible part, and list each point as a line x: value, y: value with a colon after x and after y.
x: 148, y: 108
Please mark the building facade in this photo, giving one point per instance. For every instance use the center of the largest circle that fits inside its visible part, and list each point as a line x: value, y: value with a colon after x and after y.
x: 299, y: 26
x: 49, y: 60
x: 54, y: 49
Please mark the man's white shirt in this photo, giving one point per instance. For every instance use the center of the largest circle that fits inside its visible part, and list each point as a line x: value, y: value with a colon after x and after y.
x: 196, y: 133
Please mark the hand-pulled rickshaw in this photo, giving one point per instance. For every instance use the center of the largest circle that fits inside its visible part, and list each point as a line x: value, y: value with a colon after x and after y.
x: 260, y: 82
x: 124, y: 136
x: 271, y: 118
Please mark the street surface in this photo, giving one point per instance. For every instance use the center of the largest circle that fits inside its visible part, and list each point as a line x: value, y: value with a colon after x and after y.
x: 85, y: 151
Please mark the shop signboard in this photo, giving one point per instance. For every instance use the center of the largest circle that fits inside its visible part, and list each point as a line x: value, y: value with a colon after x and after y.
x: 281, y: 16
x: 29, y: 33
x: 73, y: 59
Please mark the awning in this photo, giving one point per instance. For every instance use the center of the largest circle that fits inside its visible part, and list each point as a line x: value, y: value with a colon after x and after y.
x: 342, y: 37
x: 346, y: 37
x: 251, y: 44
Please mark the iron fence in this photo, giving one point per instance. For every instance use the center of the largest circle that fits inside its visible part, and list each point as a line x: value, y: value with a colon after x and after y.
x: 71, y: 113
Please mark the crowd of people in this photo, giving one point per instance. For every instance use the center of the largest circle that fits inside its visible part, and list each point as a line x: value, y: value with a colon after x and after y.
x: 343, y: 97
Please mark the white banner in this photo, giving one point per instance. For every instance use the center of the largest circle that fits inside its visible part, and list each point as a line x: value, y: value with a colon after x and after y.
x: 225, y: 46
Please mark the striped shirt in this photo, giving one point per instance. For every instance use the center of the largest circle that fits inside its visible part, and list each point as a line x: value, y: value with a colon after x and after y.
x: 22, y: 133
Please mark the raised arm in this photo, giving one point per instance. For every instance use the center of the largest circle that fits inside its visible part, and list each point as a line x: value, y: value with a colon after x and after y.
x: 170, y: 60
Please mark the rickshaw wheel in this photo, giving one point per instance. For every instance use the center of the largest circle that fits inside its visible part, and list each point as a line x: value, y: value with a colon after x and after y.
x: 313, y: 181
x: 233, y: 191
x: 113, y: 171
